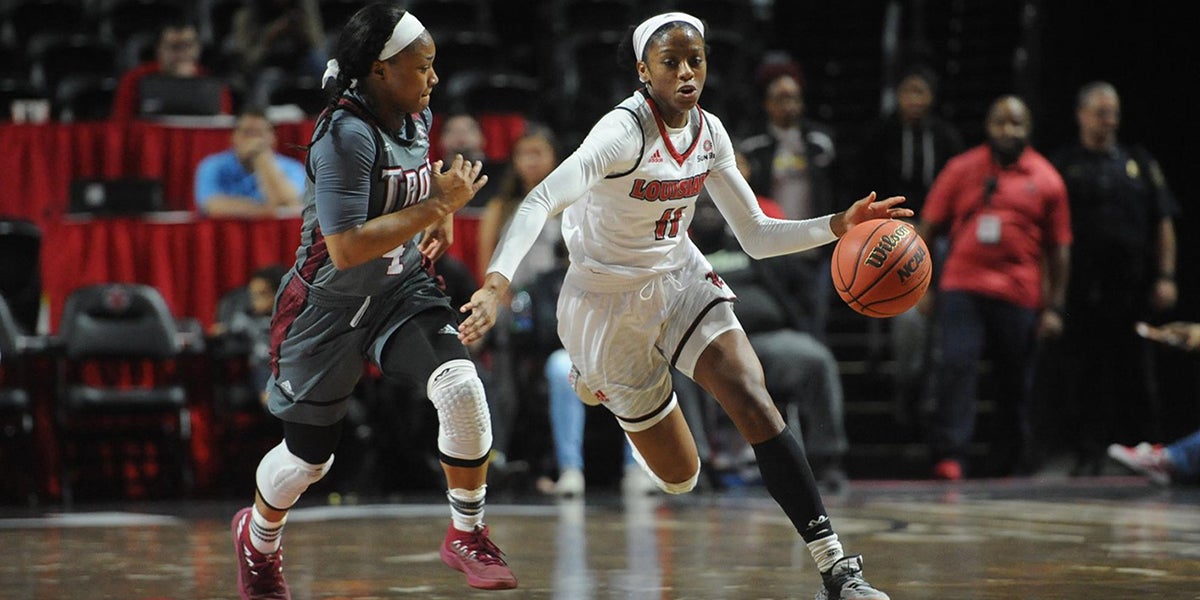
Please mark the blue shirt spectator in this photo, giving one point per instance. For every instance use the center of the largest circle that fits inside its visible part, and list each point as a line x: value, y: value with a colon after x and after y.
x: 250, y: 179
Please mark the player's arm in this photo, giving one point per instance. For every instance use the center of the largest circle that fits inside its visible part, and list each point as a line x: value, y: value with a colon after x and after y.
x: 763, y: 237
x: 342, y: 161
x: 614, y: 140
x: 612, y: 143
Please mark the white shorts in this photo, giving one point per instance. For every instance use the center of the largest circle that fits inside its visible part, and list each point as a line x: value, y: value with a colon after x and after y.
x: 623, y: 343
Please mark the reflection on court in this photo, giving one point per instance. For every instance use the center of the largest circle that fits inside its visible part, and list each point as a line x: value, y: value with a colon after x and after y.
x: 1104, y: 538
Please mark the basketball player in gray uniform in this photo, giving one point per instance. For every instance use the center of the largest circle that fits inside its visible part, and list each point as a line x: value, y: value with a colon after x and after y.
x: 361, y: 289
x: 639, y: 297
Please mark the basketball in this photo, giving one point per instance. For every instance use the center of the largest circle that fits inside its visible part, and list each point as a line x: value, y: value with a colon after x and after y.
x: 881, y: 267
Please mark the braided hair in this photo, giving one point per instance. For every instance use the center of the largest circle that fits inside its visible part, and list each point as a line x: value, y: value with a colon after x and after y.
x: 358, y: 47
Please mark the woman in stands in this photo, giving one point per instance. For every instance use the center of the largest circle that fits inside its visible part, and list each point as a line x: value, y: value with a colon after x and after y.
x: 360, y: 290
x: 639, y: 297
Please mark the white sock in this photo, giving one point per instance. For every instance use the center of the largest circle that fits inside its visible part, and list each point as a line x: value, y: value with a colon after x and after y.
x: 826, y: 551
x: 466, y: 507
x: 265, y: 535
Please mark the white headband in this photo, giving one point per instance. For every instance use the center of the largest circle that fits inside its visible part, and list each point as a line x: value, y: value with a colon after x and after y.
x: 641, y: 35
x: 407, y: 29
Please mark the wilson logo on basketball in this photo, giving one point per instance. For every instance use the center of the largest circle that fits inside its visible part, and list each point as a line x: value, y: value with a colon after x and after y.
x: 914, y: 262
x: 886, y: 245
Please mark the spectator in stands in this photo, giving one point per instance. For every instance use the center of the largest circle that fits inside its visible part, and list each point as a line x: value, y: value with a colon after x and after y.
x: 250, y: 318
x: 274, y: 41
x: 460, y: 133
x: 250, y: 179
x: 534, y: 155
x: 1003, y: 208
x: 793, y: 163
x: 1180, y: 461
x: 177, y: 54
x: 1122, y: 219
x: 904, y: 150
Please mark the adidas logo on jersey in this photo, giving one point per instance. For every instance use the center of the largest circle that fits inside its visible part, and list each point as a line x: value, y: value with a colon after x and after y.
x: 286, y: 386
x: 448, y: 330
x: 656, y: 157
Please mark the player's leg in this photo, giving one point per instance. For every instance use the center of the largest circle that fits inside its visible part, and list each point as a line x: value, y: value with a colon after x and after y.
x: 731, y: 372
x: 313, y: 377
x: 426, y: 348
x: 612, y: 341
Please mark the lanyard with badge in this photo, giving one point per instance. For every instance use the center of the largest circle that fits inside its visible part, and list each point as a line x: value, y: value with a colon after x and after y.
x: 987, y: 227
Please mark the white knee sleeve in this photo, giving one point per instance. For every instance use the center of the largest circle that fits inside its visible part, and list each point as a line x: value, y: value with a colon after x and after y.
x: 465, y: 431
x: 282, y: 476
x: 682, y: 487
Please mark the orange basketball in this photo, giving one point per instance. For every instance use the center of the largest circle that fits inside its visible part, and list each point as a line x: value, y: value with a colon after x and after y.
x: 881, y: 267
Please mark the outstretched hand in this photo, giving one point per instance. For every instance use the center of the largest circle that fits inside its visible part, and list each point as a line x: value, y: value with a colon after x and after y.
x: 483, y: 306
x: 866, y: 209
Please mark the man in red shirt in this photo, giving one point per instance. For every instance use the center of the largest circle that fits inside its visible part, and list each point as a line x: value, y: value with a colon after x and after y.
x: 177, y: 54
x: 1004, y: 209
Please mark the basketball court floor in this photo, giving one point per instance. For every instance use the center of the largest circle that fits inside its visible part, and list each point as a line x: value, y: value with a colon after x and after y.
x: 1096, y: 538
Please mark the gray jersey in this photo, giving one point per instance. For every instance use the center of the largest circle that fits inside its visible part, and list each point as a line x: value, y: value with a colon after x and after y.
x: 352, y: 180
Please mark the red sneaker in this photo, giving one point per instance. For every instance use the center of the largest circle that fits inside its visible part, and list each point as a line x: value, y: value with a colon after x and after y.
x: 948, y: 469
x: 260, y: 576
x: 474, y: 553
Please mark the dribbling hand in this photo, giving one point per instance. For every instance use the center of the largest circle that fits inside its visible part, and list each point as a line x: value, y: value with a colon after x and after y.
x: 866, y: 209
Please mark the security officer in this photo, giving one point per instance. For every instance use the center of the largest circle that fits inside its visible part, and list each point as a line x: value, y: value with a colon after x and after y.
x: 1124, y: 271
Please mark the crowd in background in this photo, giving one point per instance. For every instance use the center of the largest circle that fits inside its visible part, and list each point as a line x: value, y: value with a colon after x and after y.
x: 1105, y: 228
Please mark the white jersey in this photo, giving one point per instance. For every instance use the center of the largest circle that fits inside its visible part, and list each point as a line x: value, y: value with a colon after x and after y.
x: 629, y: 192
x: 632, y: 224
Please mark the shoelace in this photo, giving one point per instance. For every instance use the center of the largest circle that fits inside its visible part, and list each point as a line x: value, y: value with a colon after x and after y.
x: 264, y: 579
x: 481, y: 548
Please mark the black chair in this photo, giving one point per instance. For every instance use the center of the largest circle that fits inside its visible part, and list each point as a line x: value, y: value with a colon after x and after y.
x: 32, y: 18
x: 17, y: 454
x: 479, y: 93
x: 597, y: 15
x: 442, y: 17
x: 56, y: 59
x: 124, y: 18
x: 590, y: 55
x: 20, y: 270
x: 303, y: 92
x: 119, y: 387
x: 84, y: 97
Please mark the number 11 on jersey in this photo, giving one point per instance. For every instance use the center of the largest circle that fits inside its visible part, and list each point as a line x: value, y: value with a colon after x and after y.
x: 667, y: 226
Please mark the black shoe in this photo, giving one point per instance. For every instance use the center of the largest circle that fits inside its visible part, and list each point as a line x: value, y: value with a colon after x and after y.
x: 844, y: 581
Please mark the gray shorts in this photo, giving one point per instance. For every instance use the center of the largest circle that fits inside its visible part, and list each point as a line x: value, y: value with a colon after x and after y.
x: 320, y: 343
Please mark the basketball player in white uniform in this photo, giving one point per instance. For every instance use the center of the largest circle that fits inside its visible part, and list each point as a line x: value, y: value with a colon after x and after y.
x: 639, y: 297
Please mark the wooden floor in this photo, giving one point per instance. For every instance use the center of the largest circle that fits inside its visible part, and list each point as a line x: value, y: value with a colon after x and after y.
x: 1100, y: 538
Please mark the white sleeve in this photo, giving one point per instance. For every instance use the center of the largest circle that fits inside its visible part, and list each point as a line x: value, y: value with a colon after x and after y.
x: 612, y: 146
x: 760, y: 235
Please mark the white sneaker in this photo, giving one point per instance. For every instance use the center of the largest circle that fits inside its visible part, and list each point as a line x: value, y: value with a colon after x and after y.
x: 636, y: 482
x: 570, y: 483
x: 1146, y: 459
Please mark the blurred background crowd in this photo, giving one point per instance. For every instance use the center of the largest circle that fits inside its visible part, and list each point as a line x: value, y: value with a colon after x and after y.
x: 206, y: 103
